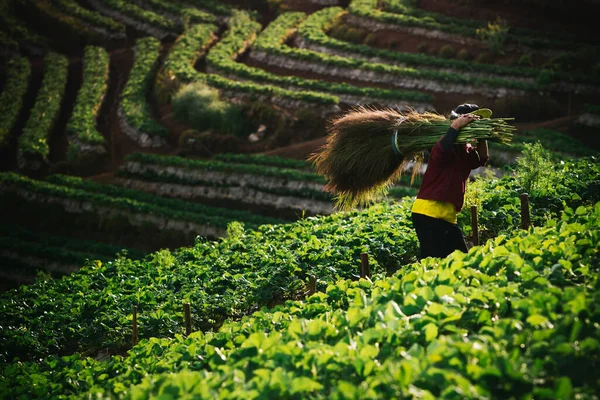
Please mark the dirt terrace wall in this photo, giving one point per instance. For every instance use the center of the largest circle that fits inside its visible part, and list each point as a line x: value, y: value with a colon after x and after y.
x: 138, y: 25
x: 135, y: 219
x: 373, y: 25
x: 229, y: 186
x: 141, y: 138
x: 323, y: 109
x: 577, y: 88
x: 588, y: 119
x: 41, y: 263
x: 381, y: 78
x: 231, y: 193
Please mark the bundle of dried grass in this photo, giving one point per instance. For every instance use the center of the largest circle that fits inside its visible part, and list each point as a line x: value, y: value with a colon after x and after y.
x: 367, y: 149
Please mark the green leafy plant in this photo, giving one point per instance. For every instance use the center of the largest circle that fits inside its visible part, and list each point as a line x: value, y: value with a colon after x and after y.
x: 33, y: 142
x: 494, y: 35
x: 202, y: 107
x: 82, y: 124
x: 11, y: 99
x: 535, y: 170
x: 136, y: 110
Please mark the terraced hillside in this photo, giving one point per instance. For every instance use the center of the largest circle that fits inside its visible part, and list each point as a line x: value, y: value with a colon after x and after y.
x: 159, y: 96
x: 163, y: 235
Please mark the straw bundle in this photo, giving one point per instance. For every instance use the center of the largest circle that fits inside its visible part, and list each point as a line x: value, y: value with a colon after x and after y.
x: 360, y: 161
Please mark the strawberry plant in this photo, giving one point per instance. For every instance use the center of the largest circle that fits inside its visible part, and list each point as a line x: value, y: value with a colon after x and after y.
x: 11, y: 99
x: 514, y: 317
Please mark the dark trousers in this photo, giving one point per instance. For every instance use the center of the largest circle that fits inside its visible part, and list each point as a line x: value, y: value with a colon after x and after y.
x: 437, y: 237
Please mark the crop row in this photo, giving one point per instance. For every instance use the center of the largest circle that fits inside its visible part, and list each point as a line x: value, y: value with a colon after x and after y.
x: 314, y: 28
x: 224, y: 166
x: 7, y: 44
x: 261, y: 176
x: 240, y: 36
x: 90, y: 16
x: 91, y: 206
x: 134, y: 104
x: 370, y: 9
x: 283, y: 27
x: 216, y: 216
x: 259, y: 159
x: 103, y: 250
x: 286, y: 163
x: 138, y: 13
x: 561, y: 144
x: 72, y: 19
x: 11, y: 99
x: 18, y: 30
x: 82, y: 125
x: 194, y: 42
x: 440, y: 328
x: 220, y: 279
x: 51, y: 259
x: 191, y: 15
x: 34, y: 140
x: 530, y: 37
x: 249, y: 268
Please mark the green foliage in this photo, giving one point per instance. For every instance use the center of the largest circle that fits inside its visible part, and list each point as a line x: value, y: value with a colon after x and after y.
x: 11, y: 99
x: 33, y: 142
x: 315, y: 26
x: 222, y: 279
x: 201, y: 107
x: 242, y: 33
x: 67, y: 18
x: 191, y: 15
x: 188, y: 47
x: 259, y: 159
x: 140, y: 14
x: 105, y: 251
x: 17, y: 29
x: 90, y: 16
x: 535, y: 169
x: 272, y: 176
x: 82, y: 124
x: 512, y: 318
x: 196, y: 212
x: 136, y: 109
x: 402, y: 12
x: 494, y: 35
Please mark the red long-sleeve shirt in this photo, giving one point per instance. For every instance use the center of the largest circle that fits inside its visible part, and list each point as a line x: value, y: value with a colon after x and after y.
x: 448, y: 172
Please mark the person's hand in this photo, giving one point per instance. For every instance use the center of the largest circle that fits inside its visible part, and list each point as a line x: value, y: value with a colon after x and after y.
x: 463, y: 121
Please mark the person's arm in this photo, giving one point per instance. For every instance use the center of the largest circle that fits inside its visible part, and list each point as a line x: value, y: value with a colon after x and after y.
x: 450, y: 137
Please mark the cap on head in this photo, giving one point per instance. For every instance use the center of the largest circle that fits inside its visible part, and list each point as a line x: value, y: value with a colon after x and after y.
x: 463, y: 109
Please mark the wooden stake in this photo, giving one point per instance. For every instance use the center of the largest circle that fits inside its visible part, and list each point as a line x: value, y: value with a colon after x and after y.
x: 365, y: 269
x: 188, y: 319
x: 134, y: 335
x: 474, y: 225
x: 312, y: 286
x: 525, y: 217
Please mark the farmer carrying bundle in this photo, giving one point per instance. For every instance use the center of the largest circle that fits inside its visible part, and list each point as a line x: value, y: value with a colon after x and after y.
x: 367, y: 150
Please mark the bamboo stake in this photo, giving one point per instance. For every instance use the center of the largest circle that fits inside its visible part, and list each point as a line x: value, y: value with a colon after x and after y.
x: 134, y: 335
x: 474, y: 225
x: 188, y: 319
x: 312, y: 286
x: 365, y: 269
x: 525, y: 217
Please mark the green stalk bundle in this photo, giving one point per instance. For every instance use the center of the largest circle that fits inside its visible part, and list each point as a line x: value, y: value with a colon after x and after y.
x: 359, y: 160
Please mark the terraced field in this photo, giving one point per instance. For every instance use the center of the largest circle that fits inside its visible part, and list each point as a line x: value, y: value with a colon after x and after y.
x: 163, y: 235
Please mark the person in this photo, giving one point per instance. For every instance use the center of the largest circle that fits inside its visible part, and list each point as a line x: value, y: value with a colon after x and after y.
x: 441, y: 195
